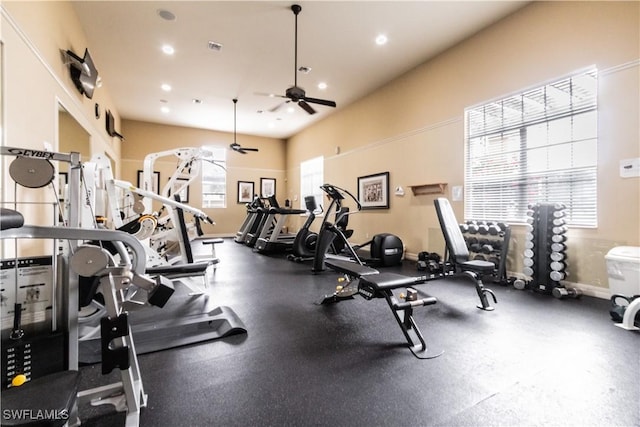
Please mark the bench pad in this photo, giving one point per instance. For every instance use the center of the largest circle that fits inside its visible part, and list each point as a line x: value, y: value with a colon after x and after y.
x: 384, y: 281
x: 478, y: 265
x: 350, y: 268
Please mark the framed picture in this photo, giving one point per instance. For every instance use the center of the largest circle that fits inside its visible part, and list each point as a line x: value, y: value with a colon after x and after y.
x: 156, y: 181
x: 267, y: 187
x: 184, y: 192
x: 245, y: 191
x: 373, y: 191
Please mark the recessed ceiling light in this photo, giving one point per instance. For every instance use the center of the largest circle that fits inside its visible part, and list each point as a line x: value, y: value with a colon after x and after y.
x: 381, y: 40
x: 304, y: 70
x: 166, y: 15
x: 291, y: 110
x: 165, y: 109
x: 166, y: 87
x: 322, y: 85
x: 167, y: 49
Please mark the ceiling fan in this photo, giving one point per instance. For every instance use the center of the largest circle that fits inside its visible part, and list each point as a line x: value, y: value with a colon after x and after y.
x: 235, y: 146
x: 296, y: 93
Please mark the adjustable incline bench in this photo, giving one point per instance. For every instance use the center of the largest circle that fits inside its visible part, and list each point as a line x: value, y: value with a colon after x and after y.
x: 373, y: 284
x: 459, y: 254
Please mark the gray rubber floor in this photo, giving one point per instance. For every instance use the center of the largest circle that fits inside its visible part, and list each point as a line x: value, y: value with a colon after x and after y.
x: 533, y: 361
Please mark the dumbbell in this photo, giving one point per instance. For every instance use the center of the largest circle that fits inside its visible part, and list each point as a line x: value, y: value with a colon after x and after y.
x: 471, y: 240
x: 557, y: 266
x: 528, y: 271
x: 557, y: 256
x: 483, y: 229
x: 558, y: 238
x: 557, y: 276
x: 494, y: 229
x: 561, y: 292
x: 558, y: 247
x: 476, y: 247
x: 519, y: 284
x: 557, y: 222
x: 495, y: 260
x: 560, y: 230
x: 464, y: 228
x: 527, y: 262
x: 487, y: 248
x: 479, y: 257
x: 473, y: 228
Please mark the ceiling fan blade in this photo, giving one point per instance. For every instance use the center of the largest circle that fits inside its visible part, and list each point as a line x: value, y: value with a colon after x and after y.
x: 250, y: 149
x: 279, y: 106
x: 306, y: 107
x: 270, y: 95
x: 320, y: 101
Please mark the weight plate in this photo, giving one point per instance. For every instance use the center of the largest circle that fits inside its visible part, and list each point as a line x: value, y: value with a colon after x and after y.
x: 32, y: 173
x: 89, y: 260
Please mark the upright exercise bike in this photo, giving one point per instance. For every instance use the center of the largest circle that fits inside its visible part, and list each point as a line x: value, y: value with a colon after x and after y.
x: 304, y: 244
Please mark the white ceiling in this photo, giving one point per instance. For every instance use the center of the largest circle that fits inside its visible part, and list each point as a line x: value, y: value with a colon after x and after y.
x: 335, y: 39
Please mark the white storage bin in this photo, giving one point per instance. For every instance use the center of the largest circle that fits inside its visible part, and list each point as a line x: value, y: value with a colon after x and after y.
x: 623, y: 268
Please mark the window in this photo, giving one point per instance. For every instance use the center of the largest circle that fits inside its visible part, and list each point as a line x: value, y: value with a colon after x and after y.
x: 311, y: 178
x: 214, y: 178
x: 536, y: 146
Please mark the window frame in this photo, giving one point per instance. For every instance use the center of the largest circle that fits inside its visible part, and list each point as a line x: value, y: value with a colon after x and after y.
x: 499, y: 189
x: 219, y: 157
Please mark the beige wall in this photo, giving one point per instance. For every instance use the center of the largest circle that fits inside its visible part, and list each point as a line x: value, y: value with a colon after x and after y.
x: 414, y: 126
x: 145, y: 138
x: 35, y: 82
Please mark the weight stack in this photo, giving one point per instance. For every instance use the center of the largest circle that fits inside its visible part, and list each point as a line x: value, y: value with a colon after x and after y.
x: 545, y: 257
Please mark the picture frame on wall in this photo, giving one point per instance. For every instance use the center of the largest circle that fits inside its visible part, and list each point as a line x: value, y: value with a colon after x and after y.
x: 184, y: 192
x: 373, y: 191
x: 267, y: 187
x: 156, y: 181
x: 245, y: 191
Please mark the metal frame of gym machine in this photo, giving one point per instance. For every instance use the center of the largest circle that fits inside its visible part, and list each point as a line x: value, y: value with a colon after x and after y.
x: 130, y: 388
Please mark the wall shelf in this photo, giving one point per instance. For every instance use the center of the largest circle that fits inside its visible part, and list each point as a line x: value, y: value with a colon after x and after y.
x: 420, y: 190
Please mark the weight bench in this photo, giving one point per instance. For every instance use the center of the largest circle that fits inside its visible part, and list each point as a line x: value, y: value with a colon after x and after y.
x: 456, y: 247
x: 373, y: 284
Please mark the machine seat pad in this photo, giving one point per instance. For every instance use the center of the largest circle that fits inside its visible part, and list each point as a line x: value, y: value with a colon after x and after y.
x: 478, y: 265
x: 10, y: 219
x: 208, y: 240
x: 351, y: 268
x: 54, y: 393
x: 187, y: 269
x: 384, y: 281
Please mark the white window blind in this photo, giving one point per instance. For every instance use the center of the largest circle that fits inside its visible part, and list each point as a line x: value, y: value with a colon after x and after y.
x: 311, y: 178
x: 539, y: 145
x: 214, y: 178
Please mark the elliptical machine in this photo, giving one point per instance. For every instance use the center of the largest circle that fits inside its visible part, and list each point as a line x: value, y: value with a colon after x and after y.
x: 304, y: 244
x: 386, y: 249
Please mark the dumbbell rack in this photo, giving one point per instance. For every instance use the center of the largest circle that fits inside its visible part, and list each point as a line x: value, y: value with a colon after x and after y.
x: 489, y: 241
x: 545, y: 258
